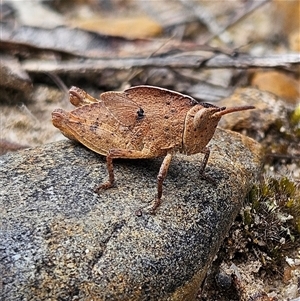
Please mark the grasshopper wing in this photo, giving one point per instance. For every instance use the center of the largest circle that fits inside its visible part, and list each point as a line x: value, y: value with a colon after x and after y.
x: 124, y: 110
x: 96, y: 134
x: 149, y: 97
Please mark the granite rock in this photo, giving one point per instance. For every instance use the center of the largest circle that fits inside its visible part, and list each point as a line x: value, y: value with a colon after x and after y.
x: 61, y: 241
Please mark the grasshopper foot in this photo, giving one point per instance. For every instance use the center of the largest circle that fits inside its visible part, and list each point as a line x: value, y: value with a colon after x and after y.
x: 155, y: 206
x: 208, y: 178
x: 104, y: 186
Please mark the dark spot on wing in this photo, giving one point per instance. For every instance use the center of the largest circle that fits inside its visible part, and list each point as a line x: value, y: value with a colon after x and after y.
x: 140, y: 113
x: 94, y: 126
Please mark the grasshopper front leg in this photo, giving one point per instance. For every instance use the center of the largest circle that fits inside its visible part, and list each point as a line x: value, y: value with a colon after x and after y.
x: 206, y: 153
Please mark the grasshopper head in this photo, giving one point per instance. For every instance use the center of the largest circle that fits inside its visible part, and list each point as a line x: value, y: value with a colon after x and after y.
x: 209, y: 117
x: 200, y: 125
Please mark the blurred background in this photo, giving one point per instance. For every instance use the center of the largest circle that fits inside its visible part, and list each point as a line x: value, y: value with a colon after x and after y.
x: 211, y: 50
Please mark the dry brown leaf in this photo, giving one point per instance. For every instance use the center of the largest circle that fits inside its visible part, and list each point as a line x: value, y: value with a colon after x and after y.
x: 294, y: 40
x: 288, y: 13
x: 128, y: 27
x: 277, y: 83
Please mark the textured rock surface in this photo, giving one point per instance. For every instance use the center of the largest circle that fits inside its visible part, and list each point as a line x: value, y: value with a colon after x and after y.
x: 61, y: 241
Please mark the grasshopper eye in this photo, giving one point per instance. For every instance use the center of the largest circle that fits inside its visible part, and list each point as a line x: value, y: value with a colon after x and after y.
x: 200, y: 118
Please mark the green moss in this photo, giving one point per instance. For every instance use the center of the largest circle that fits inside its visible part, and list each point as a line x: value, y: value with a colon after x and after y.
x: 269, y: 226
x: 247, y: 217
x: 280, y: 196
x: 295, y: 121
x: 295, y: 117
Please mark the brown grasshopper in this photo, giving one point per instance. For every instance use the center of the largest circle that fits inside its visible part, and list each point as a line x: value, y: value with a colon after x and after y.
x: 141, y: 122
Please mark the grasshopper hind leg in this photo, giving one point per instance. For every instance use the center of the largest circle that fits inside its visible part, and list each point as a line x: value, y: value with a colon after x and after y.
x: 114, y: 154
x: 120, y: 153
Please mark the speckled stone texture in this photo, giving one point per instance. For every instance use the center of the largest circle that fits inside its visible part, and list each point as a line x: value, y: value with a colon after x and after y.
x: 61, y: 241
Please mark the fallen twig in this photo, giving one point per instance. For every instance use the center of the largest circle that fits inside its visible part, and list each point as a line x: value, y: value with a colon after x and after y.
x: 184, y: 60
